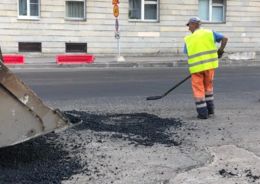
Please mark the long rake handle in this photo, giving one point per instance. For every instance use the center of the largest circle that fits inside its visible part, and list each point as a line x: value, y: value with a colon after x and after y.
x: 167, y: 92
x: 177, y: 85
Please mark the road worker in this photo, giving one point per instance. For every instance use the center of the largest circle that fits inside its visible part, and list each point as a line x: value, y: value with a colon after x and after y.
x: 203, y: 54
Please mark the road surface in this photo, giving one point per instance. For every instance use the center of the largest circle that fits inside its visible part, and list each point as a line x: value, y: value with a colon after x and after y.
x: 125, y: 139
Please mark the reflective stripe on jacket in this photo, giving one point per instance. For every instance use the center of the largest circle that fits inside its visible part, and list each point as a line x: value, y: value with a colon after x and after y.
x: 202, y: 51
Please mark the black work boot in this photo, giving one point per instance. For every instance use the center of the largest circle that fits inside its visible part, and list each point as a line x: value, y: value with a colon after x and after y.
x: 210, y: 104
x: 202, y: 110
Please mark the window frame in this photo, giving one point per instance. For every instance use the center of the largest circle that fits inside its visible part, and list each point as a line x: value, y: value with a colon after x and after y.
x: 23, y: 47
x: 75, y: 18
x: 28, y: 16
x: 68, y: 46
x: 211, y: 5
x: 142, y: 19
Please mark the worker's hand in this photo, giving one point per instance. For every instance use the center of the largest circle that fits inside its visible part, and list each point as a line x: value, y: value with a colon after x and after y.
x: 220, y: 53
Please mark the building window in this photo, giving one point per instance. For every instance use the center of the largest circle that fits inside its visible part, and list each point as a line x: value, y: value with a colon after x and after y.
x: 76, y: 47
x: 75, y: 9
x: 30, y: 47
x: 212, y: 10
x: 29, y: 9
x: 143, y: 10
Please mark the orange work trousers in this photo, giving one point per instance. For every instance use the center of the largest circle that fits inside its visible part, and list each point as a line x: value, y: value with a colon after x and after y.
x: 202, y: 83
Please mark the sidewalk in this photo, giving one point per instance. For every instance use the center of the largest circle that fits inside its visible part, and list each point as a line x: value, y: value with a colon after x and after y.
x: 130, y: 62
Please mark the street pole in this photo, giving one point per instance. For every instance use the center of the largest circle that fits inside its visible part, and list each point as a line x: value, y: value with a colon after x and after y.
x: 119, y: 58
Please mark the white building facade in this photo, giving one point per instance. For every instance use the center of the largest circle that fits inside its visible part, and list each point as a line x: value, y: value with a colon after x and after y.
x: 147, y: 27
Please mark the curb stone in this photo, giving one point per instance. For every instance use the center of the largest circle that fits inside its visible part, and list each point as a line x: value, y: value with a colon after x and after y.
x: 143, y: 64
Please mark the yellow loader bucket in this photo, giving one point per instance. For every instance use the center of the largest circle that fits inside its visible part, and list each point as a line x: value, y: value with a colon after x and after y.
x: 22, y: 113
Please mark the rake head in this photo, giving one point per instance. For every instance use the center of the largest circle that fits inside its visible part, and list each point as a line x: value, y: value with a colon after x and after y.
x: 154, y: 97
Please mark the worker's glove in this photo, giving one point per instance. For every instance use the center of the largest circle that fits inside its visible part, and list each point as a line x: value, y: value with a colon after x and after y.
x: 220, y: 53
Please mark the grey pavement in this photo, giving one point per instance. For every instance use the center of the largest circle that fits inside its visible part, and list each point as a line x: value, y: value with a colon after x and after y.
x: 35, y: 62
x: 223, y: 149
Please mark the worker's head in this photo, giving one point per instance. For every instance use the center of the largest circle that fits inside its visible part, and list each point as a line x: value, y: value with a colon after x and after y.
x: 193, y: 24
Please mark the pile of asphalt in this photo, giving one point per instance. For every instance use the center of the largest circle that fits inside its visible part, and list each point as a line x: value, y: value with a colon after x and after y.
x: 41, y: 160
x: 139, y: 129
x: 56, y: 157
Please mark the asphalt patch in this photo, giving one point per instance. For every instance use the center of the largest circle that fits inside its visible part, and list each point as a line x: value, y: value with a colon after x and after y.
x: 247, y: 174
x: 42, y: 160
x: 54, y: 158
x: 139, y: 128
x: 226, y: 174
x: 253, y: 178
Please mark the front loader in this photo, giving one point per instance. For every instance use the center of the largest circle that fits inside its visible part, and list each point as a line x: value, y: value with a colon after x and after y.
x: 23, y: 115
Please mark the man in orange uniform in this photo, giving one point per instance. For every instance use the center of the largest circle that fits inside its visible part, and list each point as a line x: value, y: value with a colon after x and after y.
x: 203, y: 60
